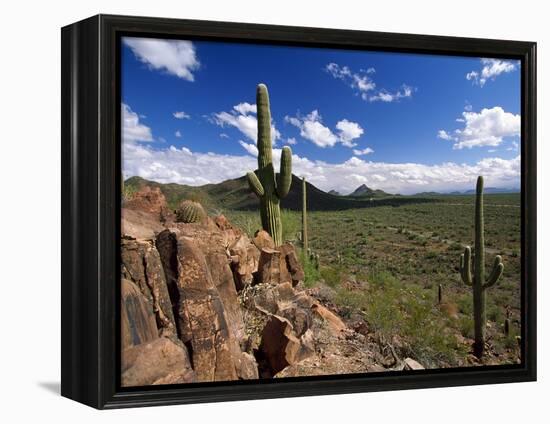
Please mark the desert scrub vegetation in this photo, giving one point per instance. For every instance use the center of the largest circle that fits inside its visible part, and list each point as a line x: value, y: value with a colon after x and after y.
x: 364, y: 244
x: 405, y: 311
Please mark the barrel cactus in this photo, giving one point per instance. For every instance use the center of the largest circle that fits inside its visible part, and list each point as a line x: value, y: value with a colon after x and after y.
x: 269, y: 188
x: 190, y: 212
x: 477, y: 281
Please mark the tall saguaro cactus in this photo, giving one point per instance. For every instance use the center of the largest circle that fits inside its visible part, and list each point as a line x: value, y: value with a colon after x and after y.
x: 477, y: 282
x: 304, y: 215
x: 264, y: 183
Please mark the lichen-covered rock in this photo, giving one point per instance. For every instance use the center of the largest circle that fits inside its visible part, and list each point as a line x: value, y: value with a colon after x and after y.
x: 202, y: 317
x: 137, y: 318
x: 160, y: 361
x: 141, y: 264
x: 222, y: 277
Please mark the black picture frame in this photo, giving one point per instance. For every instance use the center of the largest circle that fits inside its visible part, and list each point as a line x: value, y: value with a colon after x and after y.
x: 91, y: 210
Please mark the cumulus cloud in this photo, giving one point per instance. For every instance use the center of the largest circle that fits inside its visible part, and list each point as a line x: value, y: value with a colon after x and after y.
x: 387, y: 97
x: 175, y: 57
x: 444, y: 135
x: 349, y: 131
x: 186, y: 167
x: 133, y: 130
x: 244, y: 108
x: 291, y: 141
x: 491, y: 68
x: 242, y: 117
x: 252, y: 149
x: 363, y: 85
x: 312, y: 128
x: 181, y: 115
x: 362, y: 152
x: 178, y: 134
x: 485, y: 128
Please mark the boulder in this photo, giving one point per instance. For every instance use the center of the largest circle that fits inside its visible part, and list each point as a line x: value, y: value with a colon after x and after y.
x: 141, y: 264
x: 269, y: 266
x: 244, y: 258
x: 137, y: 318
x: 222, y: 223
x: 150, y: 200
x: 281, y: 347
x: 263, y: 239
x: 160, y: 361
x: 222, y: 277
x: 334, y: 322
x: 290, y: 261
x: 202, y: 318
x: 278, y: 266
x: 139, y: 225
x: 411, y: 364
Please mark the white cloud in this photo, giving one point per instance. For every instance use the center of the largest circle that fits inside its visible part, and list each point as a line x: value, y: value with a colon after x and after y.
x: 181, y: 115
x: 249, y: 147
x: 312, y: 129
x: 485, y: 128
x: 244, y: 108
x: 243, y: 118
x: 223, y: 135
x: 491, y: 68
x: 186, y: 167
x: 387, y: 97
x: 444, y: 135
x: 178, y: 134
x: 176, y: 57
x: 291, y: 141
x: 361, y: 152
x: 364, y: 85
x: 132, y: 129
x: 349, y: 131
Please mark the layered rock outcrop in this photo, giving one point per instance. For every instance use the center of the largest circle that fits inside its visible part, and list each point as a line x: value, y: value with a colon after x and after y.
x: 203, y: 302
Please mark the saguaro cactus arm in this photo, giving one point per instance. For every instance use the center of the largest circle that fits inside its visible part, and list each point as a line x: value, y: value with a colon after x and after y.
x: 498, y: 268
x: 465, y: 266
x: 255, y: 184
x: 284, y: 179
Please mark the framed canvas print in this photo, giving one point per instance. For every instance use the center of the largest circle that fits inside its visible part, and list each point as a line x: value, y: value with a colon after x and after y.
x: 255, y: 211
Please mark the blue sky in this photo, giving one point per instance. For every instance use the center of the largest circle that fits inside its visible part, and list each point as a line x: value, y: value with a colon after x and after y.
x: 401, y: 122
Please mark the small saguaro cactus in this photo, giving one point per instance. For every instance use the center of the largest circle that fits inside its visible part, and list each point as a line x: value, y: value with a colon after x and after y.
x: 268, y: 187
x: 439, y: 294
x: 304, y: 215
x: 190, y: 212
x: 477, y: 281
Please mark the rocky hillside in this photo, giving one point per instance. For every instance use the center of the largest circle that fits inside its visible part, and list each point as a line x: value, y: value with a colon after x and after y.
x: 235, y: 194
x: 203, y: 302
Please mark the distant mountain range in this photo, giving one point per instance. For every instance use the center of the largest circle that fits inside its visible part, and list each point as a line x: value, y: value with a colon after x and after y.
x: 364, y: 191
x: 486, y: 190
x: 235, y: 194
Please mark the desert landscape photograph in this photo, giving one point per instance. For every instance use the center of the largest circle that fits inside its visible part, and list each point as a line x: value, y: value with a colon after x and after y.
x: 298, y: 212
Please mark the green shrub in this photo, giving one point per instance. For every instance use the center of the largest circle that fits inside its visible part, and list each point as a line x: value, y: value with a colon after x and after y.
x: 311, y: 272
x: 333, y: 275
